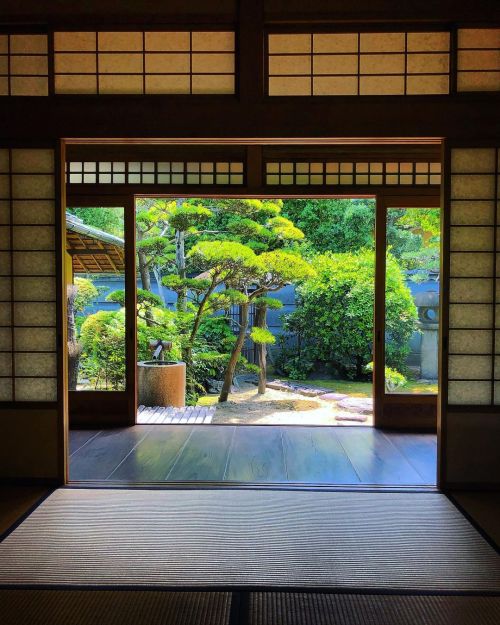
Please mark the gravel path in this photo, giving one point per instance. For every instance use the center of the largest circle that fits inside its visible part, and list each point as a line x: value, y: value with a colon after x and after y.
x: 277, y: 407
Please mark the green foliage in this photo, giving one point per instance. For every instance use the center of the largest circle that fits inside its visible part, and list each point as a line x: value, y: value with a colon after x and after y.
x: 281, y: 268
x: 226, y: 261
x: 423, y: 221
x: 335, y: 313
x: 393, y: 379
x: 217, y: 334
x: 333, y: 225
x: 108, y: 219
x: 262, y: 336
x: 155, y: 246
x: 102, y: 337
x: 268, y: 302
x: 283, y: 229
x: 210, y: 365
x: 189, y: 216
x: 176, y: 284
x: 165, y: 329
x: 255, y: 223
x: 245, y: 208
x: 145, y: 299
x: 223, y: 300
x: 290, y: 361
x: 247, y: 228
x: 414, y: 239
x: 86, y: 293
x: 349, y: 225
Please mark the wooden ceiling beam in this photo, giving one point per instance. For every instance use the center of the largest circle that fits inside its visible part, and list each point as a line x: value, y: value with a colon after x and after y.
x: 61, y: 12
x: 465, y: 116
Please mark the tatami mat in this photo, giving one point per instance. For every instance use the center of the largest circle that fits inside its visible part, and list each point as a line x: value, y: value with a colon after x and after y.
x: 153, y: 607
x: 335, y: 609
x: 233, y: 538
x: 113, y: 607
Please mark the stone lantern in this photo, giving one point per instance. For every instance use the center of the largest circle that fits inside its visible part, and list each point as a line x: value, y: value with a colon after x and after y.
x: 427, y: 304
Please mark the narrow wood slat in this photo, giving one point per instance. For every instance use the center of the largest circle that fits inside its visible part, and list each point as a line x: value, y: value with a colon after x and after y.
x: 256, y: 455
x: 153, y: 458
x: 374, y: 458
x: 104, y: 453
x: 152, y: 417
x: 163, y: 415
x: 315, y: 455
x: 204, y: 455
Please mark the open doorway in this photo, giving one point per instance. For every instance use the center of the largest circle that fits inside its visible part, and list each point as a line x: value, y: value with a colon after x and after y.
x: 172, y: 443
x: 263, y: 306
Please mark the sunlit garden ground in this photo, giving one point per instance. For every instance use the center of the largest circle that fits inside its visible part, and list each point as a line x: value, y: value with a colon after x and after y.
x: 246, y: 406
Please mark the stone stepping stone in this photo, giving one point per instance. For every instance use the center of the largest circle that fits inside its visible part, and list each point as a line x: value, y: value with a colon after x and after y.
x: 361, y: 405
x: 351, y: 416
x: 307, y: 391
x: 333, y: 396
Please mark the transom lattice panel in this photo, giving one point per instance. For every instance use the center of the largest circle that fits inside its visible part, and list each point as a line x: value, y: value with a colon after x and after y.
x: 28, y: 344
x: 155, y: 172
x: 352, y: 173
x: 474, y: 297
x: 478, y: 59
x: 190, y: 62
x: 385, y: 63
x: 24, y: 65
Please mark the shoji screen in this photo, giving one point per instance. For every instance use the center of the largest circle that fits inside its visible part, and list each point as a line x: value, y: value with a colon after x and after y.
x: 24, y: 65
x: 473, y: 384
x: 163, y: 62
x: 478, y: 59
x: 28, y: 333
x: 473, y: 251
x: 386, y: 63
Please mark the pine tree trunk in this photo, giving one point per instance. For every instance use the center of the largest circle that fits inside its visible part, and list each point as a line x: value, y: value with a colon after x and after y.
x: 144, y: 271
x: 157, y: 275
x: 145, y: 278
x: 74, y: 348
x: 260, y: 322
x: 233, y: 360
x: 180, y: 261
x: 188, y: 350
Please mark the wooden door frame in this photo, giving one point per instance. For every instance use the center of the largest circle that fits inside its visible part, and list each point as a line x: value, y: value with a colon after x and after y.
x: 389, y: 408
x: 117, y: 408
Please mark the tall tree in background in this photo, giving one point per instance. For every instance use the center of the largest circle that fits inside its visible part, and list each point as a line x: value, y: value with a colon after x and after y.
x: 277, y: 269
x: 154, y: 249
x: 261, y: 335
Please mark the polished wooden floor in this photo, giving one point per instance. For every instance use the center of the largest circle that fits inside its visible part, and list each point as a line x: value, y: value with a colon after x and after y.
x: 258, y: 454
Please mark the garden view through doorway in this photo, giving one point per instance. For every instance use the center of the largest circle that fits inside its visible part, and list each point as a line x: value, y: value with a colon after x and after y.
x: 269, y: 303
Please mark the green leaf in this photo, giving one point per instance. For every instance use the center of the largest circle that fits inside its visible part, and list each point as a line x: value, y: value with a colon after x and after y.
x: 268, y: 302
x: 262, y: 336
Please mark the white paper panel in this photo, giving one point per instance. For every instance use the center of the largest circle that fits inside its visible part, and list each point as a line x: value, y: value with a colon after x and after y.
x: 36, y: 389
x: 469, y: 367
x: 470, y: 341
x: 472, y: 392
